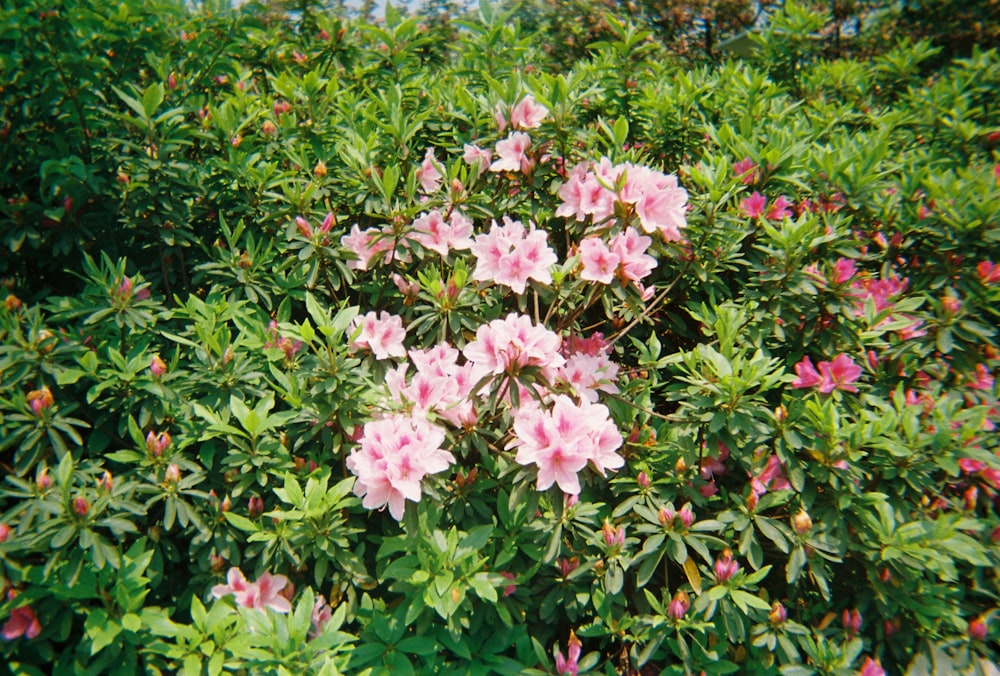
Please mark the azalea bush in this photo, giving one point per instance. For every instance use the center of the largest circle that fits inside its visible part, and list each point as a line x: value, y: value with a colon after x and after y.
x: 403, y: 347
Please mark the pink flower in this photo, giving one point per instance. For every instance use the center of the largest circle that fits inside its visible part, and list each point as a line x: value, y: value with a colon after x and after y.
x: 843, y: 270
x: 852, y: 621
x: 568, y: 665
x: 983, y: 379
x: 382, y: 334
x: 839, y: 374
x: 753, y: 206
x: 745, y: 170
x: 431, y: 231
x: 511, y: 255
x: 394, y: 455
x: 513, y: 343
x: 772, y: 477
x: 977, y: 630
x: 725, y: 567
x: 321, y: 614
x: 157, y: 366
x: 510, y: 588
x: 678, y: 606
x: 477, y: 157
x: 659, y: 201
x: 4, y: 533
x: 808, y: 376
x: 599, y: 263
x: 780, y: 209
x: 988, y: 272
x: 512, y: 153
x: 630, y: 247
x: 428, y: 174
x: 368, y: 244
x: 563, y: 440
x: 22, y: 622
x: 871, y: 668
x: 527, y: 114
x: 264, y: 593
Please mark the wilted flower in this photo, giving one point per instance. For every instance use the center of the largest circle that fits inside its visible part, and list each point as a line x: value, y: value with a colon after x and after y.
x: 321, y: 614
x: 106, y: 481
x: 255, y: 506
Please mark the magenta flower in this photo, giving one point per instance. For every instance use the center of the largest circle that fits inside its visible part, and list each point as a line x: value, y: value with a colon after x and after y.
x: 871, y: 668
x: 745, y: 170
x: 807, y: 374
x: 394, y: 455
x: 568, y: 665
x: 977, y: 629
x: 753, y: 206
x: 988, y: 272
x: 428, y: 174
x: 22, y: 622
x: 678, y: 606
x: 780, y: 209
x: 513, y: 154
x: 599, y: 262
x: 843, y: 270
x: 839, y: 374
x: 527, y: 114
x: 382, y: 334
x: 772, y: 477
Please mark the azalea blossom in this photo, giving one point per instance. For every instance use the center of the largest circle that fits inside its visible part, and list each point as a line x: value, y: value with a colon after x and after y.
x: 477, y: 157
x: 264, y: 593
x: 746, y: 170
x: 394, y: 455
x: 512, y: 154
x: 428, y: 174
x: 754, y: 205
x: 510, y: 344
x: 563, y: 440
x: 839, y: 374
x: 431, y: 231
x: 599, y: 262
x: 527, y: 113
x: 807, y: 374
x: 22, y: 622
x: 511, y: 254
x: 383, y: 334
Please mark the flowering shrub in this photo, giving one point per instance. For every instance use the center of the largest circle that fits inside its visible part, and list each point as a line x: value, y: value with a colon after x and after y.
x: 475, y: 363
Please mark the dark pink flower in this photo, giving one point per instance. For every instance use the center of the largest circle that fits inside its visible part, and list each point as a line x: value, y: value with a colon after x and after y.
x: 780, y: 209
x: 678, y: 606
x: 746, y: 171
x: 568, y: 665
x: 725, y: 566
x: 988, y: 272
x: 839, y: 374
x: 978, y: 629
x: 22, y: 622
x: 843, y: 270
x: 807, y: 374
x: 852, y: 621
x: 754, y: 205
x: 871, y: 668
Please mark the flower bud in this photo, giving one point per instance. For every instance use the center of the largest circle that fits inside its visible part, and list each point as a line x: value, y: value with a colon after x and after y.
x: 269, y: 128
x: 281, y: 107
x: 319, y: 171
x: 643, y: 481
x: 978, y: 629
x: 216, y: 562
x: 686, y: 516
x: 173, y: 474
x: 778, y: 614
x: 725, y: 566
x: 679, y: 605
x: 43, y: 480
x: 157, y: 366
x: 4, y: 532
x: 106, y: 481
x: 39, y: 400
x: 572, y: 500
x: 852, y: 621
x: 510, y: 588
x: 226, y: 505
x: 11, y: 303
x: 81, y: 506
x: 666, y: 516
x: 255, y: 506
x: 802, y: 522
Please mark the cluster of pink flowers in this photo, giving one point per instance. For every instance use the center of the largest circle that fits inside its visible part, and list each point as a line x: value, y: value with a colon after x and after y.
x: 756, y: 206
x: 561, y: 441
x: 510, y: 344
x: 588, y: 368
x: 525, y: 114
x: 22, y: 621
x: 838, y: 374
x: 370, y: 244
x: 383, y: 334
x: 882, y: 292
x: 511, y: 254
x: 440, y: 385
x: 433, y: 232
x: 747, y: 171
x: 265, y: 592
x: 593, y: 190
x: 394, y: 455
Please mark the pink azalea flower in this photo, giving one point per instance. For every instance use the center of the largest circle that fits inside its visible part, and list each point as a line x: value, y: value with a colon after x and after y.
x: 631, y: 248
x: 753, y: 206
x: 382, y: 334
x: 510, y: 344
x: 512, y: 154
x: 843, y: 270
x: 477, y: 157
x: 428, y: 174
x: 807, y: 374
x: 394, y: 455
x: 511, y: 255
x: 839, y: 374
x: 599, y: 263
x: 871, y: 668
x: 780, y: 209
x: 367, y: 245
x: 988, y: 272
x: 983, y: 379
x: 22, y: 622
x: 745, y: 170
x: 725, y: 567
x: 568, y: 665
x: 563, y: 440
x: 527, y: 114
x: 264, y: 593
x: 659, y: 201
x: 772, y: 477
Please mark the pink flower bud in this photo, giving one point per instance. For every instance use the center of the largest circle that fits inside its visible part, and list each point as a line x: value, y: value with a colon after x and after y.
x: 303, y: 227
x: 666, y: 516
x: 255, y: 507
x: 686, y: 516
x: 725, y: 566
x: 172, y: 81
x: 572, y: 500
x: 852, y: 621
x: 156, y: 444
x: 81, y: 506
x: 39, y: 400
x: 679, y: 605
x: 226, y: 505
x: 643, y: 480
x: 173, y: 474
x: 157, y: 366
x: 43, y: 480
x: 269, y: 128
x: 778, y: 614
x: 978, y: 629
x: 4, y: 532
